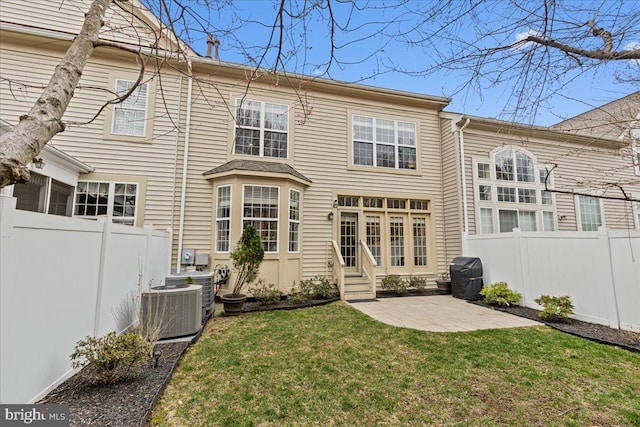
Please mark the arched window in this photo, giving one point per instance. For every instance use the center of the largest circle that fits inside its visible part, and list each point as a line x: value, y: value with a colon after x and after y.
x: 510, y: 192
x: 512, y: 165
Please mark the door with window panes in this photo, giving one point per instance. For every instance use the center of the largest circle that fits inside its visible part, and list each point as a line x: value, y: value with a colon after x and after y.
x: 396, y: 232
x: 349, y: 241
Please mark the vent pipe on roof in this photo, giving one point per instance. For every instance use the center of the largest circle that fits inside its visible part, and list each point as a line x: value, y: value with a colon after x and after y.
x: 213, y: 42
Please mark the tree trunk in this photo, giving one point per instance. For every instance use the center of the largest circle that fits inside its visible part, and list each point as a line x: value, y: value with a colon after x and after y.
x: 23, y: 143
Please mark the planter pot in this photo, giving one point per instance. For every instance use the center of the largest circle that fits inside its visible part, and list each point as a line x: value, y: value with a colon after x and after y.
x: 444, y: 286
x: 233, y: 304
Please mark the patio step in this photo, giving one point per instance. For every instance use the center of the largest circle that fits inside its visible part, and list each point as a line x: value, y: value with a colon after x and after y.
x: 357, y: 289
x: 359, y: 295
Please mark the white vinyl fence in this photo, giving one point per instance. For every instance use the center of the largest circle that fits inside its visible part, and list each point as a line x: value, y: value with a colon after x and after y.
x: 60, y: 280
x: 599, y: 270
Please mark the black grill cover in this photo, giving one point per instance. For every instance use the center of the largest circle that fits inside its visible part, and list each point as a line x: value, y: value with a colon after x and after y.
x: 466, y: 278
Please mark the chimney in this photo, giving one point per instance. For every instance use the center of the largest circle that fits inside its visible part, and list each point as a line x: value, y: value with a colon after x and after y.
x: 211, y: 43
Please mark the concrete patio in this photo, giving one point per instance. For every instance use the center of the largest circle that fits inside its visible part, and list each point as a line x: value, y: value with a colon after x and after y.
x: 440, y: 313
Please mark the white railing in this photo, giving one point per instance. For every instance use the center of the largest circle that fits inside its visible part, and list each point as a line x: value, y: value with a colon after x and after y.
x: 599, y: 270
x: 368, y: 265
x: 337, y: 267
x: 60, y: 280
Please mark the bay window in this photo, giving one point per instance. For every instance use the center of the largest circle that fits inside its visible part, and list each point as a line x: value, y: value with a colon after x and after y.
x: 294, y: 220
x: 223, y: 218
x: 260, y: 208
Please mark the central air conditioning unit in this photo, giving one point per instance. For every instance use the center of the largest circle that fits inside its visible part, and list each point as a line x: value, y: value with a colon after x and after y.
x: 175, y: 310
x: 202, y: 278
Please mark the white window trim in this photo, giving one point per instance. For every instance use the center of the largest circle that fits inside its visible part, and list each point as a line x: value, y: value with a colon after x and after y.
x: 262, y: 128
x: 494, y: 183
x: 110, y: 201
x: 119, y: 106
x: 579, y: 213
x: 9, y: 191
x: 293, y: 221
x: 277, y: 219
x: 635, y: 149
x: 396, y: 145
x: 493, y: 222
x: 215, y: 245
x: 636, y: 214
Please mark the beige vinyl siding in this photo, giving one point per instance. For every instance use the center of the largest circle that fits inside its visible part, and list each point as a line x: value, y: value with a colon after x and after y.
x: 153, y: 159
x: 66, y: 17
x: 576, y: 162
x: 326, y: 136
x: 452, y: 197
x: 320, y: 152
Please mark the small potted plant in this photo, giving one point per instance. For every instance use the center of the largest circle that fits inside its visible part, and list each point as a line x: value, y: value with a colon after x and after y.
x: 246, y: 258
x: 444, y: 283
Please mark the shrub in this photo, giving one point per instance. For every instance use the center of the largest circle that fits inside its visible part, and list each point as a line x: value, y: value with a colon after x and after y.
x: 320, y: 287
x: 499, y: 294
x: 317, y: 288
x: 112, y: 357
x: 418, y: 283
x: 297, y: 295
x: 395, y: 284
x: 266, y: 294
x: 247, y: 257
x: 556, y: 309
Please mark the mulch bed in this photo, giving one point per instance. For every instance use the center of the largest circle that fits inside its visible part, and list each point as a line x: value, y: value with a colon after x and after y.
x: 129, y: 403
x: 126, y: 404
x: 252, y: 305
x: 600, y: 333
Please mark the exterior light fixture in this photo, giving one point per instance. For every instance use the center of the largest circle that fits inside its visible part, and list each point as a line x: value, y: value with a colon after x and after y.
x: 38, y: 162
x: 156, y: 356
x: 330, y: 216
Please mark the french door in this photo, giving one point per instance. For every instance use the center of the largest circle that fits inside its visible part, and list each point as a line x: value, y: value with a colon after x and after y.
x: 349, y: 241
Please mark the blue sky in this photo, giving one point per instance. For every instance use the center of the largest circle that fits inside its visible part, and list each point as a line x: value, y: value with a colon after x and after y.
x: 368, y: 51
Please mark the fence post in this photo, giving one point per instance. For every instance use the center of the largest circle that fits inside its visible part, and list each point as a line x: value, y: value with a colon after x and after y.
x: 519, y: 258
x: 148, y: 235
x: 605, y: 241
x: 106, y: 234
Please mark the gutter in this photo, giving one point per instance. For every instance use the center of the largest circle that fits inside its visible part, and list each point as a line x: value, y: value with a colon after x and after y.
x: 185, y: 161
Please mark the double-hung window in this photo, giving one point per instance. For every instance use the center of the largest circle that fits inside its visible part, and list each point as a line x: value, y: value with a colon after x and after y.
x: 260, y: 209
x: 294, y: 220
x: 223, y: 218
x: 130, y: 115
x: 262, y: 129
x: 384, y: 143
x: 114, y: 199
x: 590, y: 213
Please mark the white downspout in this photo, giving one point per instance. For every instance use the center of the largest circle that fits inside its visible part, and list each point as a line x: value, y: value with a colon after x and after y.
x: 185, y: 161
x: 464, y: 177
x: 463, y: 171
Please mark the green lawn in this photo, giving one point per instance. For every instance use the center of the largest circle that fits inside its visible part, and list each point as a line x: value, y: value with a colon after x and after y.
x: 332, y: 365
